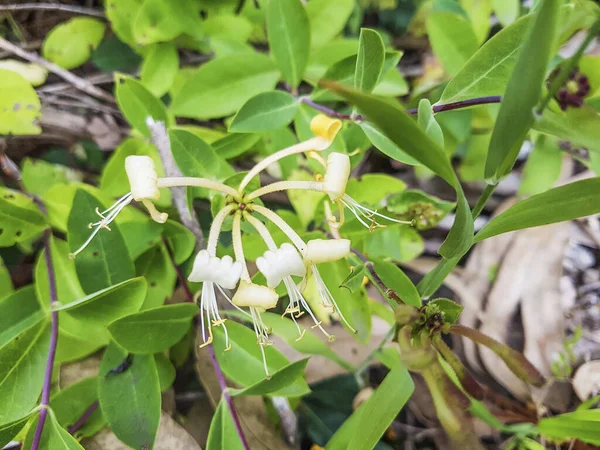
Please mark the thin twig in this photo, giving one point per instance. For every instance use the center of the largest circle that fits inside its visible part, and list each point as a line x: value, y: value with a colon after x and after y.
x: 53, y: 7
x: 390, y: 293
x: 160, y: 139
x: 53, y: 338
x: 436, y: 109
x: 77, y: 82
x: 85, y: 416
x: 211, y: 351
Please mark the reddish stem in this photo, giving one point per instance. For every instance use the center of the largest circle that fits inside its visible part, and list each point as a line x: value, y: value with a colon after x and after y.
x: 86, y: 415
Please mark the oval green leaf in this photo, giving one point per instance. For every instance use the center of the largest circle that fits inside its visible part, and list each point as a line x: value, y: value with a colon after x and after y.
x: 265, y: 112
x: 71, y: 43
x: 20, y: 218
x: 369, y: 61
x: 279, y: 380
x: 159, y: 68
x: 20, y: 107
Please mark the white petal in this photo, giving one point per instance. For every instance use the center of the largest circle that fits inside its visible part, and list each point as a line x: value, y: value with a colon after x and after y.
x: 143, y: 179
x: 295, y: 265
x: 200, y: 267
x: 326, y: 250
x: 336, y: 175
x: 256, y: 296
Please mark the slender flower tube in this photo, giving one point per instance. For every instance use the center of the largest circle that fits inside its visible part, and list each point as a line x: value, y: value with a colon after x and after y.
x: 214, y: 273
x: 257, y: 298
x: 145, y: 184
x: 325, y: 130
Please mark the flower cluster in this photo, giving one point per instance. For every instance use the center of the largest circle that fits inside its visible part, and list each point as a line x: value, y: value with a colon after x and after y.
x: 292, y: 263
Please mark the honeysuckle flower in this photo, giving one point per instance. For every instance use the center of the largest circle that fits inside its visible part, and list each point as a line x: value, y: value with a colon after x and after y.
x: 279, y: 263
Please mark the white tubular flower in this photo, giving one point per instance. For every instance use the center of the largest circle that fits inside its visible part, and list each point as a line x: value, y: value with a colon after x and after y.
x: 220, y: 273
x: 326, y: 250
x: 335, y: 182
x: 275, y: 265
x: 143, y: 178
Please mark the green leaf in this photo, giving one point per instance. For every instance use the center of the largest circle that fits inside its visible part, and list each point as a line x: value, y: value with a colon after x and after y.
x: 166, y: 371
x: 382, y: 143
x: 6, y: 286
x: 9, y: 430
x: 54, y: 437
x: 20, y: 218
x: 235, y: 144
x: 22, y: 371
x: 523, y: 91
x: 451, y: 310
x: 425, y: 210
x: 221, y: 86
x: 137, y: 104
x: 113, y: 55
x: 153, y: 330
x: 141, y: 237
x: 70, y: 403
x: 489, y: 69
x: 279, y: 380
x: 159, y: 68
x: 109, y: 304
x: 353, y: 282
x: 394, y: 278
x: 105, y: 261
x: 163, y: 20
x: 369, y: 61
x: 479, y: 12
x: 181, y: 240
x: 70, y: 44
x: 400, y: 128
x: 223, y: 433
x: 19, y: 105
x: 227, y: 26
x: 507, y: 11
x: 327, y: 19
x: 38, y: 175
x: 288, y: 32
x: 130, y: 402
x: 245, y: 352
x: 120, y: 14
x: 396, y: 242
x: 305, y: 203
x: 114, y: 181
x: 156, y: 267
x: 428, y: 124
x: 265, y: 112
x: 578, y: 125
x: 452, y: 39
x: 542, y: 168
x: 19, y: 311
x: 568, y: 202
x: 431, y: 282
x: 581, y: 425
x: 368, y: 423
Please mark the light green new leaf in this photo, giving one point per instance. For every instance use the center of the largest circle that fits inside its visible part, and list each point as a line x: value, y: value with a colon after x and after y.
x: 489, y: 69
x: 279, y: 380
x: 20, y: 218
x: 166, y: 371
x: 159, y: 68
x: 413, y: 205
x: 368, y: 423
x: 479, y: 12
x: 394, y: 278
x: 542, y: 168
x: 221, y: 86
x: 581, y: 425
x: 568, y: 202
x: 402, y: 130
x: 163, y: 20
x: 227, y: 26
x: 288, y: 32
x: 265, y: 112
x: 428, y: 124
x: 18, y: 312
x: 137, y: 104
x: 70, y: 44
x: 153, y: 330
x: 9, y: 430
x: 109, y: 304
x: 105, y: 261
x: 121, y: 13
x: 54, y: 437
x: 369, y: 61
x: 452, y: 39
x: 19, y: 105
x: 22, y: 363
x: 222, y: 433
x: 33, y: 73
x: 382, y: 143
x: 507, y: 11
x: 38, y: 175
x: 327, y: 19
x: 130, y: 400
x: 245, y: 352
x: 523, y: 92
x: 353, y: 282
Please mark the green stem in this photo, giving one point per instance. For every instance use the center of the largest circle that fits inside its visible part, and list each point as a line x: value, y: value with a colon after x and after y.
x: 568, y: 67
x: 363, y: 366
x: 485, y: 196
